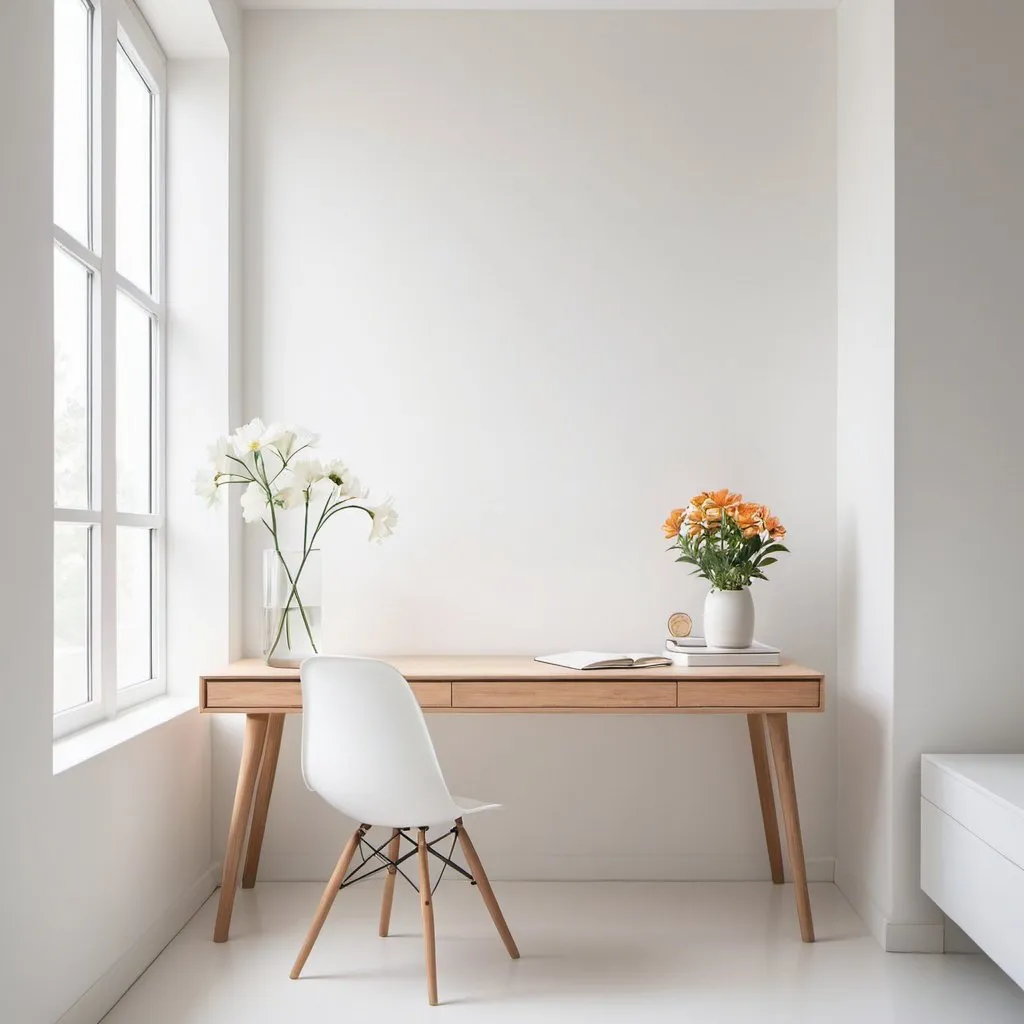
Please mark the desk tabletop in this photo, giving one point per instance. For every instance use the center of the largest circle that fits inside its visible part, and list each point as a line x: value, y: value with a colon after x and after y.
x: 512, y: 668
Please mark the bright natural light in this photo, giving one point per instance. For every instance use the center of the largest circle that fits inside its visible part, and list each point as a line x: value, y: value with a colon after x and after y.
x: 134, y: 604
x: 71, y: 343
x: 71, y: 629
x: 71, y: 94
x: 107, y: 319
x: 134, y: 415
x: 134, y: 174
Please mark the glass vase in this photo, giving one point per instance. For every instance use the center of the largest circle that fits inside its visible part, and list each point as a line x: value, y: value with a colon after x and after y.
x: 292, y: 614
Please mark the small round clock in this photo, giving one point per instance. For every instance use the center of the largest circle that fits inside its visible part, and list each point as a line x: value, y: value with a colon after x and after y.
x: 679, y: 624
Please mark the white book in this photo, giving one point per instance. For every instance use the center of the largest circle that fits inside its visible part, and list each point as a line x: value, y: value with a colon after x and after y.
x: 587, y: 660
x: 700, y: 655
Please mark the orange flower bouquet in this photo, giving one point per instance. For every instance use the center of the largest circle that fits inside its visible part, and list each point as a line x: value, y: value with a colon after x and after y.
x: 729, y: 541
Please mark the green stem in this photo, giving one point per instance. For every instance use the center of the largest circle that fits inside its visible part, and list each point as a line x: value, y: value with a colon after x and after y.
x: 258, y: 463
x: 294, y: 593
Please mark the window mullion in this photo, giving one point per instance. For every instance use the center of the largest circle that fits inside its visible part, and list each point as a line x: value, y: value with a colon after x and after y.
x: 107, y: 360
x: 75, y: 248
x: 139, y: 297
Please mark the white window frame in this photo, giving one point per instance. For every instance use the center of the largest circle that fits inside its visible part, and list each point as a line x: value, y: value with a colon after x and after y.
x: 118, y: 23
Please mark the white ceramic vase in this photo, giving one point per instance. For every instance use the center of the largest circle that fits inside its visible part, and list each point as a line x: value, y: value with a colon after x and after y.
x: 729, y: 618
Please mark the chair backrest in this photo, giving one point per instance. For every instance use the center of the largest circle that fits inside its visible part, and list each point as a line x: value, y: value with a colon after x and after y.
x: 365, y: 745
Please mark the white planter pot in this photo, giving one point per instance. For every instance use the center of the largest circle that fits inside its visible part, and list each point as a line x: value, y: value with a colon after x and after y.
x: 729, y: 618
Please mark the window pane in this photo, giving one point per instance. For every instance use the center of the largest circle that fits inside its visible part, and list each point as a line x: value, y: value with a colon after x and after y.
x: 71, y: 333
x: 71, y: 621
x: 134, y: 173
x: 134, y: 605
x: 72, y: 22
x: 134, y: 406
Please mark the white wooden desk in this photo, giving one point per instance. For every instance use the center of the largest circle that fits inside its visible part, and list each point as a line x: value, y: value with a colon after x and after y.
x: 456, y: 684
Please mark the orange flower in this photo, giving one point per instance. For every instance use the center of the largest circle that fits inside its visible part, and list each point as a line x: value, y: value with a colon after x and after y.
x: 673, y: 524
x: 747, y: 514
x: 723, y: 498
x: 776, y: 531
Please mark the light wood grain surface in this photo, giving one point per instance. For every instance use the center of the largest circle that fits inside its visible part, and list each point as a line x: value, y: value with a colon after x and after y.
x: 450, y: 667
x: 463, y: 684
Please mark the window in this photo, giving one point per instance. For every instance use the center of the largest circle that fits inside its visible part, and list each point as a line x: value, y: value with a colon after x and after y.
x: 108, y: 317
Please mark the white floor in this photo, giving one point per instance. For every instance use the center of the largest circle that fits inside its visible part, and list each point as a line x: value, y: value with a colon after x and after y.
x: 707, y: 953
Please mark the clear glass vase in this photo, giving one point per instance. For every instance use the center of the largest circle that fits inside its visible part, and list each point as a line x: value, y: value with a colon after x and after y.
x: 292, y: 614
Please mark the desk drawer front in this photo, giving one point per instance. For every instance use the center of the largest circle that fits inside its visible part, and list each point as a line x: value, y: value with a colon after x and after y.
x: 567, y: 694
x: 433, y: 695
x: 785, y: 693
x: 253, y: 693
x: 225, y: 694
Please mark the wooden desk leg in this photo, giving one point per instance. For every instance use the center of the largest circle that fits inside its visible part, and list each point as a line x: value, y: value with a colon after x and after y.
x: 759, y: 748
x: 778, y: 732
x: 252, y: 749
x: 264, y: 787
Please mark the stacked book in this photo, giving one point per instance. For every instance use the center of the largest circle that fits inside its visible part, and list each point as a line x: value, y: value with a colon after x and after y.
x: 693, y: 652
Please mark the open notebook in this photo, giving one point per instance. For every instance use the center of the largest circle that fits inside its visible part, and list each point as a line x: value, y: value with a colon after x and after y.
x: 584, y: 660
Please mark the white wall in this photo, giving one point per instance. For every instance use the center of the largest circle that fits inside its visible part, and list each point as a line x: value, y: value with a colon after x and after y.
x: 931, y: 94
x: 866, y: 241
x: 100, y: 863
x: 959, y: 364
x: 543, y: 276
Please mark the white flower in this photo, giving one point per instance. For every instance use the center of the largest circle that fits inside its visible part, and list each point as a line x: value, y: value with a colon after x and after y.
x: 254, y: 436
x: 294, y: 439
x: 254, y: 501
x: 307, y: 472
x: 219, y: 452
x: 335, y: 469
x: 206, y: 487
x: 287, y: 492
x: 385, y: 519
x: 344, y: 479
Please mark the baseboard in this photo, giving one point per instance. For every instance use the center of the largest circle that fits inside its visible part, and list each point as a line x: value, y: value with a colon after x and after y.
x: 863, y: 905
x: 914, y: 938
x: 524, y: 866
x: 529, y: 867
x: 892, y: 937
x: 96, y: 1002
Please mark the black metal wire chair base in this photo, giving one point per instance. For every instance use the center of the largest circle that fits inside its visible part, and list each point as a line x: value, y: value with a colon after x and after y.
x: 370, y: 854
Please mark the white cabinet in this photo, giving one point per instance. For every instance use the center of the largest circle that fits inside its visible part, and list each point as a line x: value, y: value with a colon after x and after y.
x: 972, y: 848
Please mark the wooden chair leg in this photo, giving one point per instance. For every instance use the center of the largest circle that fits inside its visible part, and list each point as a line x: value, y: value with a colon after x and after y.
x: 261, y: 805
x: 389, y: 884
x: 476, y: 869
x: 427, y: 906
x: 327, y: 900
x: 759, y: 748
x: 778, y: 732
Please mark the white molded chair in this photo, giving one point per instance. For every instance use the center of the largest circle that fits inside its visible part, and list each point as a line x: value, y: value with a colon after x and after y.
x: 367, y: 752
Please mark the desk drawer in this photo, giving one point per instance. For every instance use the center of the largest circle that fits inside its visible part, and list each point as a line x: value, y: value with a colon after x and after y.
x: 257, y: 694
x: 780, y: 694
x: 568, y: 694
x: 433, y: 695
x: 225, y: 694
